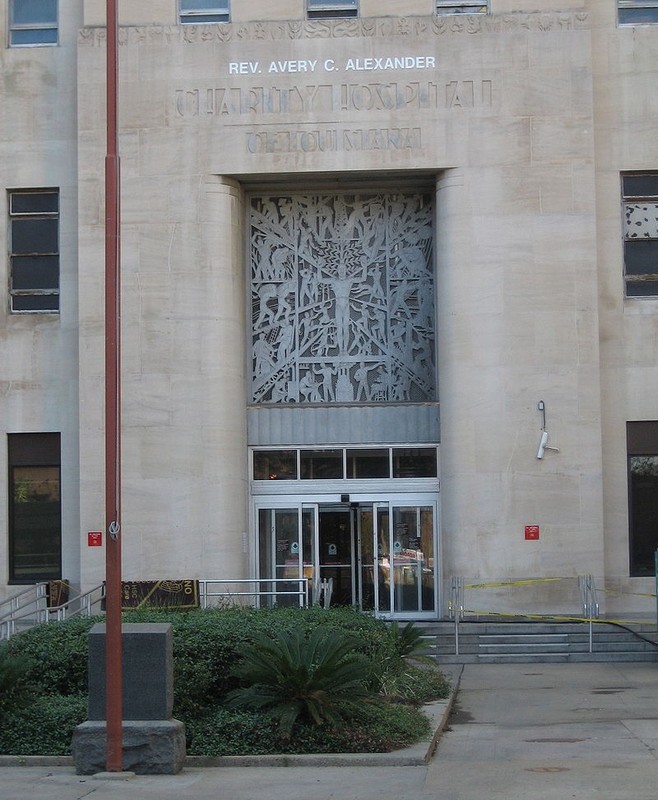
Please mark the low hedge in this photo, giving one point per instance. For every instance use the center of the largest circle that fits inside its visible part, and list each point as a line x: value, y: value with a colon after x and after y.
x: 44, y: 727
x: 206, y: 645
x: 57, y: 653
x: 376, y: 728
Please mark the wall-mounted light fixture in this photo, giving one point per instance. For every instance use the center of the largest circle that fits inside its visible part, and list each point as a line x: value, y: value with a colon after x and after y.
x: 543, y: 441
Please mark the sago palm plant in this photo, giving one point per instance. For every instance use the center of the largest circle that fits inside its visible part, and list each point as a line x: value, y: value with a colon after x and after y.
x: 408, y: 643
x: 291, y: 676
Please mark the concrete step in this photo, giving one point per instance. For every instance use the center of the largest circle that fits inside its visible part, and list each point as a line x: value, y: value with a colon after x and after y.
x: 546, y: 658
x: 546, y: 624
x: 517, y: 641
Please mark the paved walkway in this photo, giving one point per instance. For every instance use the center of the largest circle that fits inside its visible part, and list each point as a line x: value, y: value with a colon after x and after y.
x: 551, y: 731
x: 530, y: 731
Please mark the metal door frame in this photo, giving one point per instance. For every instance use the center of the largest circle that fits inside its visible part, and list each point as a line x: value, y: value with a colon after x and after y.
x: 313, y: 502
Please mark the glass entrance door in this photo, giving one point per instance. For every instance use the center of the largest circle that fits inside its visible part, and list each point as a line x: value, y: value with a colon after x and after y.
x: 378, y: 555
x: 335, y: 552
x: 412, y: 559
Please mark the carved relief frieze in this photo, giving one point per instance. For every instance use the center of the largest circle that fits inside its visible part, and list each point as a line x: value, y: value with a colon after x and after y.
x: 342, y: 299
x: 373, y: 27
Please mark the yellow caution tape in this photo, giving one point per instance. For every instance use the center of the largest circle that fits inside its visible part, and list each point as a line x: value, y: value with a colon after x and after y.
x: 557, y: 617
x: 617, y: 593
x: 513, y: 583
x: 528, y: 581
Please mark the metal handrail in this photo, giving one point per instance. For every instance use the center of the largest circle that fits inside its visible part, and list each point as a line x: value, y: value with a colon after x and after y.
x: 456, y: 605
x: 37, y: 610
x: 456, y: 601
x: 253, y: 587
x: 31, y: 603
x: 85, y: 603
x: 590, y: 603
x: 588, y: 596
x: 15, y: 603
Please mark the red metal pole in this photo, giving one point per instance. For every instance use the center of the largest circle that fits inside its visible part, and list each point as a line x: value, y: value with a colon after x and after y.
x: 113, y: 644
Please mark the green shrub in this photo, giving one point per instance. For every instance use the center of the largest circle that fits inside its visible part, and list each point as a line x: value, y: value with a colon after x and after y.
x: 208, y: 644
x: 58, y: 653
x: 231, y: 732
x: 373, y: 729
x: 408, y: 643
x: 416, y: 685
x: 44, y: 727
x: 15, y: 687
x: 315, y: 678
x: 207, y: 647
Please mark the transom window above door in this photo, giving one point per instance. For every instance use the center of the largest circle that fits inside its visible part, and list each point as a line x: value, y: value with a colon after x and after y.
x: 339, y: 463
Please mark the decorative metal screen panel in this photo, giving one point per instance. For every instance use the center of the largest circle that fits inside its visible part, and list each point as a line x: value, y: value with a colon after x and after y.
x: 641, y: 220
x: 342, y: 298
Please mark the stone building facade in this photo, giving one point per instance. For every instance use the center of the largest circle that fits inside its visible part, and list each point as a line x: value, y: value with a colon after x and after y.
x: 371, y: 253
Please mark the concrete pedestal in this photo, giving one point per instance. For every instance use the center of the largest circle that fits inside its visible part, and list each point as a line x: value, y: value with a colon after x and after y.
x: 150, y: 747
x: 153, y: 743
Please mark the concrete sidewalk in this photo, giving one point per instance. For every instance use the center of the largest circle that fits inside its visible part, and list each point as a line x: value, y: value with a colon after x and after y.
x: 544, y: 731
x: 551, y: 731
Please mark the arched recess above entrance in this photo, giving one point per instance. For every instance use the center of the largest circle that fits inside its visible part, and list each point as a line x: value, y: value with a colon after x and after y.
x: 341, y: 308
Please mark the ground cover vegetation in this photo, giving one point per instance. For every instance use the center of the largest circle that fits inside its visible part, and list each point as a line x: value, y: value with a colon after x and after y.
x: 246, y: 681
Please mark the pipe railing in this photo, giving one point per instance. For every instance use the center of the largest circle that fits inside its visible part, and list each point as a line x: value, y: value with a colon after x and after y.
x: 586, y: 587
x: 456, y: 606
x: 16, y: 601
x: 590, y: 603
x: 588, y: 596
x: 214, y: 591
x: 30, y: 607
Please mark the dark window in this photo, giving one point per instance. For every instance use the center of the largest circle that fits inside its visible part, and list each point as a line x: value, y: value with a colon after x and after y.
x: 368, y: 464
x: 466, y: 7
x: 414, y: 462
x: 32, y: 22
x: 34, y: 250
x: 637, y: 12
x: 321, y: 464
x: 642, y: 447
x: 328, y: 464
x: 275, y: 465
x: 199, y: 12
x: 35, y: 529
x: 322, y: 9
x: 640, y: 202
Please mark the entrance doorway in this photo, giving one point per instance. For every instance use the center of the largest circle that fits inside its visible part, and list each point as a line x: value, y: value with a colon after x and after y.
x: 378, y: 555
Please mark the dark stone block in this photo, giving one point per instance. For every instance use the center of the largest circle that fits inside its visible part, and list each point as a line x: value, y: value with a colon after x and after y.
x: 148, y: 671
x: 148, y: 747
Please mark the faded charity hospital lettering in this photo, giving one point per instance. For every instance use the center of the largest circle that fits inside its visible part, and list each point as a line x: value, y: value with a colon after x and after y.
x: 411, y: 96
